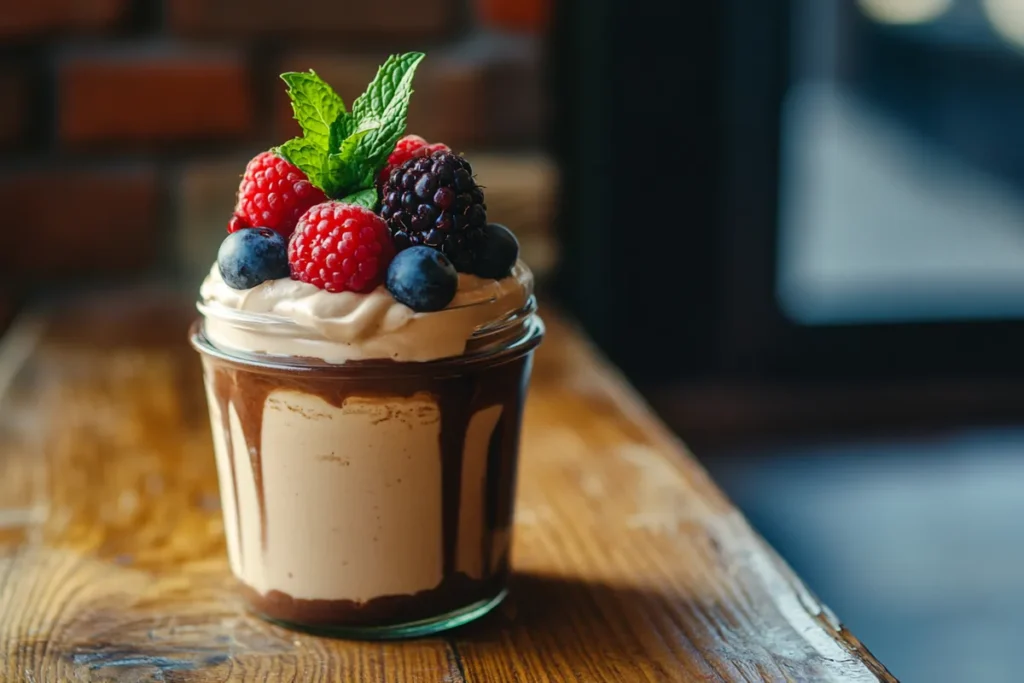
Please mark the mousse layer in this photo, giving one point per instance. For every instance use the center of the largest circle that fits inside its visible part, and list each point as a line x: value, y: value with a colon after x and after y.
x: 369, y: 500
x: 352, y: 497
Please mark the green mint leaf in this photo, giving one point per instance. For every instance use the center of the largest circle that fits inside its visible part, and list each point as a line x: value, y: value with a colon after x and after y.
x: 352, y: 149
x: 345, y: 168
x: 347, y: 125
x: 342, y: 152
x: 315, y: 104
x: 393, y: 83
x: 310, y: 159
x: 378, y: 145
x: 340, y: 129
x: 386, y: 100
x: 367, y: 198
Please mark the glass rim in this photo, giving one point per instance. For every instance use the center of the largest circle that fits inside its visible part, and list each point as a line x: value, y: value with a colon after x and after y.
x: 512, y: 336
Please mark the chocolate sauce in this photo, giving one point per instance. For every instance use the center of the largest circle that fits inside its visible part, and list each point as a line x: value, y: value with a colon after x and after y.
x: 460, y: 388
x: 455, y: 590
x: 250, y: 416
x: 225, y: 420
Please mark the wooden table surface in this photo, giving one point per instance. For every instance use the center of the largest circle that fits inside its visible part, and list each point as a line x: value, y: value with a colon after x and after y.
x: 630, y: 564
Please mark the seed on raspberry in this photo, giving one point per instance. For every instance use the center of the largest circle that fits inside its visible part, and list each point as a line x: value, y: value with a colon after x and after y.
x: 340, y: 247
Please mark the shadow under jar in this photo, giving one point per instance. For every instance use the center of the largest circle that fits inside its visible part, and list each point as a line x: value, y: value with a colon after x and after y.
x: 373, y: 498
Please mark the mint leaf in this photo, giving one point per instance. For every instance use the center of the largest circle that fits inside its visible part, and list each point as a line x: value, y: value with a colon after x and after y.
x: 346, y: 167
x: 310, y: 159
x: 386, y: 100
x: 342, y: 152
x: 351, y: 149
x: 340, y: 129
x: 392, y: 83
x: 316, y: 106
x: 367, y: 198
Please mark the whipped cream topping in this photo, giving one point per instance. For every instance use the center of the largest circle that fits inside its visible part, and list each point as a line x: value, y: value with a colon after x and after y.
x: 290, y: 318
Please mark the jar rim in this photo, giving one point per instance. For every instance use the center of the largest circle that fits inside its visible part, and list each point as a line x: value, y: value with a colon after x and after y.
x: 509, y: 337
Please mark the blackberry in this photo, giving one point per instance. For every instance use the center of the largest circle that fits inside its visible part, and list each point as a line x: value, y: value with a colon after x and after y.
x: 433, y: 201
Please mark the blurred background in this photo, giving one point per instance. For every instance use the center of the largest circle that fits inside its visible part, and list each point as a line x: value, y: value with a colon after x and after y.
x: 125, y: 125
x: 797, y: 225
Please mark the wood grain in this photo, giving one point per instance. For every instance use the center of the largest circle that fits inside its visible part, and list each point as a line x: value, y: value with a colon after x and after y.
x: 630, y: 564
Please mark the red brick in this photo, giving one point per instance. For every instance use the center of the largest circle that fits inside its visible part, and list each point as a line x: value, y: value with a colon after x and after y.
x: 515, y: 15
x: 362, y: 20
x: 121, y: 97
x: 457, y: 100
x: 15, y: 110
x: 27, y: 18
x: 72, y: 223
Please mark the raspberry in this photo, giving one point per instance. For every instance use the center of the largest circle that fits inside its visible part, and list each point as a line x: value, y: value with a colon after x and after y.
x: 407, y: 148
x: 434, y: 201
x: 273, y: 194
x: 340, y: 247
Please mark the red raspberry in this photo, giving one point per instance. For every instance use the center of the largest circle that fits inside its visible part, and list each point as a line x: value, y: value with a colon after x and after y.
x: 408, y: 147
x: 340, y: 247
x: 273, y: 194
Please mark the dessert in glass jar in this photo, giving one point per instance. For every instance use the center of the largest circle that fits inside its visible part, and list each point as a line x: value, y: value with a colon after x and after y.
x: 366, y: 338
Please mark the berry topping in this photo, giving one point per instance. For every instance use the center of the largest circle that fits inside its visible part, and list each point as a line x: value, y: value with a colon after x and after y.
x: 496, y: 252
x: 341, y: 248
x: 423, y: 279
x: 273, y: 194
x: 250, y: 256
x: 433, y: 201
x: 409, y: 147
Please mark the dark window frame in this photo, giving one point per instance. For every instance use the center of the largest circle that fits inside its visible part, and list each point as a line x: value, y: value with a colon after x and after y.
x: 726, y: 321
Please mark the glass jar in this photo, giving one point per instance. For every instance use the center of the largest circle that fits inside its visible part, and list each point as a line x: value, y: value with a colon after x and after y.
x: 373, y: 498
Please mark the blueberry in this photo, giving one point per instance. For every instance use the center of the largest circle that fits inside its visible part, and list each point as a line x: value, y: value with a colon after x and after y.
x: 496, y: 252
x: 423, y: 279
x: 251, y: 256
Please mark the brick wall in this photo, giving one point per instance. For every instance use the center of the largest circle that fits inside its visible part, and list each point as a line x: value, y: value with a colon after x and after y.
x: 125, y: 124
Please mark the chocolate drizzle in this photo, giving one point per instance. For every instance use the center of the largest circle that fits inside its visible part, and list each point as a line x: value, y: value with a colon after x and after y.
x: 456, y: 411
x: 461, y: 387
x: 220, y: 394
x: 250, y: 415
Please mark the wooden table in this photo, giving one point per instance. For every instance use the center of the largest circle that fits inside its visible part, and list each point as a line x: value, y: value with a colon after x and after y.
x: 630, y: 564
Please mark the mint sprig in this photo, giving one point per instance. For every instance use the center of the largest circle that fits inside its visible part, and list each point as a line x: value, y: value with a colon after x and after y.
x: 342, y: 152
x: 315, y: 104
